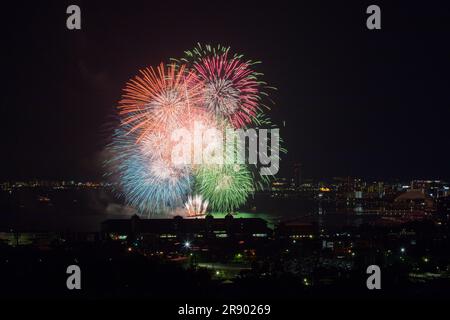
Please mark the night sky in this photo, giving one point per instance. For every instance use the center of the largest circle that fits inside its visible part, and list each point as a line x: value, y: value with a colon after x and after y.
x: 374, y: 104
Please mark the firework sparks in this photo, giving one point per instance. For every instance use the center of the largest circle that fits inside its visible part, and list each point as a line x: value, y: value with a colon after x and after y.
x: 146, y: 182
x: 196, y: 206
x: 226, y: 187
x: 230, y: 90
x: 158, y: 100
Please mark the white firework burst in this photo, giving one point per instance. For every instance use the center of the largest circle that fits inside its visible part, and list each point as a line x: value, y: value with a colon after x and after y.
x: 196, y: 206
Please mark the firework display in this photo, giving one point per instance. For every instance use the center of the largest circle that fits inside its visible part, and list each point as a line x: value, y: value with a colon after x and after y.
x: 202, y: 94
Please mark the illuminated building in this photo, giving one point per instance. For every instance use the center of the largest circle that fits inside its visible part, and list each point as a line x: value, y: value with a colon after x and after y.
x: 297, y: 174
x: 181, y: 229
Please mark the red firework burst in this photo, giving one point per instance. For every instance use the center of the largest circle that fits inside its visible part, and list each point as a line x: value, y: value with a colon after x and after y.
x: 230, y: 88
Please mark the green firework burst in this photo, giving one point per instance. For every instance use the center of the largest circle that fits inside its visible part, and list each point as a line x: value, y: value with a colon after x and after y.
x: 226, y: 187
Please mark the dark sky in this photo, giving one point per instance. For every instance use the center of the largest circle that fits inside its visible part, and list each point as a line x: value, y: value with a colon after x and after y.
x: 356, y: 102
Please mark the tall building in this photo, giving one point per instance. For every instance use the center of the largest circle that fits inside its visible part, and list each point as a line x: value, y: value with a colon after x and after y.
x: 297, y: 174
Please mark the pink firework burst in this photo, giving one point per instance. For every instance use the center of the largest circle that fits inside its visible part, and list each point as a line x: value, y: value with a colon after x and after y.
x: 231, y: 88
